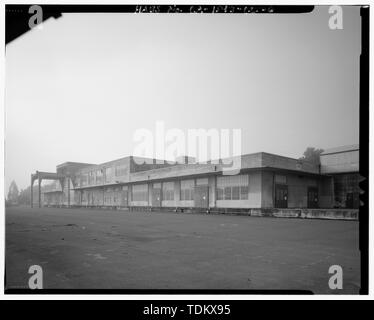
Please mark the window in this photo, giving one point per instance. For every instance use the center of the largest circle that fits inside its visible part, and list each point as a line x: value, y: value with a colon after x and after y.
x: 108, y: 175
x: 99, y: 177
x: 57, y: 186
x: 120, y: 170
x: 244, y: 190
x: 84, y: 178
x: 91, y: 178
x: 232, y: 187
x: 140, y: 192
x: 227, y: 193
x: 235, y: 193
x: 220, y: 194
x: 187, y: 189
x: 168, y: 190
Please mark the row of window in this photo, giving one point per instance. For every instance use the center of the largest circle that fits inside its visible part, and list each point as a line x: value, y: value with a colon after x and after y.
x: 228, y: 188
x: 232, y: 187
x: 187, y: 189
x: 232, y: 193
x: 168, y: 191
x: 97, y: 176
x: 140, y: 192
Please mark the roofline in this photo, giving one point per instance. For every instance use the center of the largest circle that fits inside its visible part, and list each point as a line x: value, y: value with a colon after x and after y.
x: 343, y: 151
x: 197, y: 175
x: 280, y: 156
x: 73, y: 162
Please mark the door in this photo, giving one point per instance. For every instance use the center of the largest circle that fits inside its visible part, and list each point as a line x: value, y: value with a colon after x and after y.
x: 312, y: 197
x: 201, y: 196
x: 124, y: 198
x: 281, y: 196
x: 156, y: 197
x: 349, y: 200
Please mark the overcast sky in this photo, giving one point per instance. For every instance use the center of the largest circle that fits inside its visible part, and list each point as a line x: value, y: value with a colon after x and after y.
x: 78, y: 89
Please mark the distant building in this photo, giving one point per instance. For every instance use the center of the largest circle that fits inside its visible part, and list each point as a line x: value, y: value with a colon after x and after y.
x: 265, y: 181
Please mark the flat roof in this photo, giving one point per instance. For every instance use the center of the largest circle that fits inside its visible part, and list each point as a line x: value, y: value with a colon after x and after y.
x: 348, y: 148
x: 74, y: 163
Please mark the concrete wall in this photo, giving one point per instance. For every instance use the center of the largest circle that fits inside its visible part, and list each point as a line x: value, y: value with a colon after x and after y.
x: 297, y: 189
x: 139, y: 164
x: 267, y: 189
x: 340, y: 162
x: 274, y: 161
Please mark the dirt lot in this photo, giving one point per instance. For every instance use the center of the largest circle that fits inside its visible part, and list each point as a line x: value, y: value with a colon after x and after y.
x: 101, y: 249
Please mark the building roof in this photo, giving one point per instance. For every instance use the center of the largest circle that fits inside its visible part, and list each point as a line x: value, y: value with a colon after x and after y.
x: 68, y: 163
x: 353, y: 147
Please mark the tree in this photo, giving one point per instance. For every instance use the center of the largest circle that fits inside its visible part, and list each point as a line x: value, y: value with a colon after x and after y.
x: 13, y: 193
x: 25, y: 195
x: 312, y: 154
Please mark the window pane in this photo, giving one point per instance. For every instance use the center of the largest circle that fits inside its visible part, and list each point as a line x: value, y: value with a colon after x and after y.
x: 140, y: 192
x: 228, y: 193
x: 220, y: 194
x: 235, y: 193
x: 190, y: 194
x: 244, y: 193
x: 187, y: 187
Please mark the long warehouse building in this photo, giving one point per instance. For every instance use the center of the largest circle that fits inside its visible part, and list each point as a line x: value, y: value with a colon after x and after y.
x: 264, y: 181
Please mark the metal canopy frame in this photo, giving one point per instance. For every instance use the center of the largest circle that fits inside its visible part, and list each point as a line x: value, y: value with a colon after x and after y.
x: 40, y: 176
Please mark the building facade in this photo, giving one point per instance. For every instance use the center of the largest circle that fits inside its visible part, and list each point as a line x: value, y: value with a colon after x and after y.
x: 342, y: 164
x: 264, y: 181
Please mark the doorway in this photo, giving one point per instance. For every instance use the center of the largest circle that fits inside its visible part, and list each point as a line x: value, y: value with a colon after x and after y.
x: 312, y: 197
x: 201, y: 196
x: 281, y: 196
x: 156, y: 197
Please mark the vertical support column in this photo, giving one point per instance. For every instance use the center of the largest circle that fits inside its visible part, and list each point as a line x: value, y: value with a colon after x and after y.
x: 177, y: 192
x: 212, y: 182
x: 68, y: 181
x: 39, y: 192
x: 129, y: 196
x: 332, y: 192
x: 150, y: 192
x: 32, y: 191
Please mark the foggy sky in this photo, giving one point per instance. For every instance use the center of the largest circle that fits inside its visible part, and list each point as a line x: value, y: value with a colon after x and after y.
x: 78, y: 89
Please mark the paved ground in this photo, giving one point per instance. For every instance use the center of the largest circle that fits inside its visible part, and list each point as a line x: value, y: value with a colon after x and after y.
x: 80, y: 248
